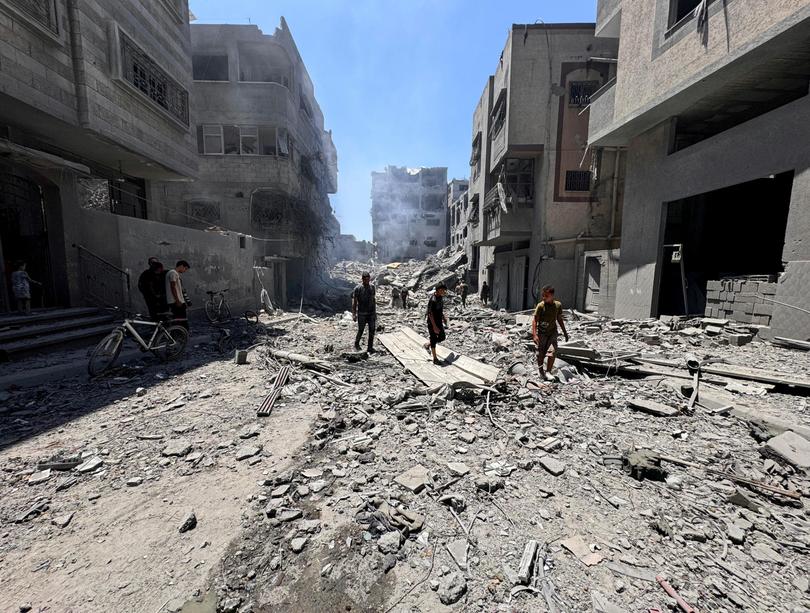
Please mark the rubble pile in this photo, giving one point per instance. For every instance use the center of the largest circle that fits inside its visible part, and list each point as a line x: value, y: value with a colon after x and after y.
x: 634, y: 480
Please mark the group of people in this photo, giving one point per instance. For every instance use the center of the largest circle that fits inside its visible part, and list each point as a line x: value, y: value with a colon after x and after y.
x: 163, y: 291
x: 399, y: 297
x: 546, y: 323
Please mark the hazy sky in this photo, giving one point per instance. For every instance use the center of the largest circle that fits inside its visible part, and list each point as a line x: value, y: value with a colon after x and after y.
x: 397, y: 80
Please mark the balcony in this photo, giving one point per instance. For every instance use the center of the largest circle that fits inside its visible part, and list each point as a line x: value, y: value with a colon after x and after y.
x: 608, y: 18
x: 503, y: 227
x: 600, y: 117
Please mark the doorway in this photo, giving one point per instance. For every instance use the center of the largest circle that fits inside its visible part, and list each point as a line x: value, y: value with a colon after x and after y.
x: 734, y: 231
x: 24, y: 237
x: 593, y: 283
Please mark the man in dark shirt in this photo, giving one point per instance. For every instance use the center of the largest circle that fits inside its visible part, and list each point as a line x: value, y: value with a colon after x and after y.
x: 436, y: 321
x: 484, y: 293
x: 150, y: 284
x: 364, y: 311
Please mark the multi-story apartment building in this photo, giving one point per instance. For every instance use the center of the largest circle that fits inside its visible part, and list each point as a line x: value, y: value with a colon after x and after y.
x: 266, y: 163
x: 538, y: 214
x: 94, y: 108
x: 457, y: 210
x: 710, y: 106
x: 408, y: 212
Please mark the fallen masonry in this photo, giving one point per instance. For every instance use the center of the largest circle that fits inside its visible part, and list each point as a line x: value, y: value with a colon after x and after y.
x: 607, y: 489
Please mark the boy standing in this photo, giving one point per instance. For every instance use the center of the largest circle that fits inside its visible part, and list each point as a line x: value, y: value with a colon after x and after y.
x: 547, y: 315
x: 21, y: 286
x: 436, y: 320
x: 175, y: 296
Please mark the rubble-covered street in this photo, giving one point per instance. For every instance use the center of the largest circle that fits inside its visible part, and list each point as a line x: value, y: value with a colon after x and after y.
x: 366, y: 490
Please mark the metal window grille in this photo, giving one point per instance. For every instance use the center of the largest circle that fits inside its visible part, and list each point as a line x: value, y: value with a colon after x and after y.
x: 577, y: 180
x: 43, y: 11
x: 142, y: 72
x: 580, y: 92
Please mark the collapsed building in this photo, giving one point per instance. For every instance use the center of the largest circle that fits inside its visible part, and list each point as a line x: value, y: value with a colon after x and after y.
x: 267, y: 166
x: 709, y: 107
x: 347, y: 247
x: 458, y: 212
x: 544, y: 208
x: 408, y: 213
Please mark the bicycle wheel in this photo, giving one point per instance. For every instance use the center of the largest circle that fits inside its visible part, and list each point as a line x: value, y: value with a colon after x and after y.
x: 211, y: 311
x: 224, y: 312
x: 170, y: 343
x: 105, y: 353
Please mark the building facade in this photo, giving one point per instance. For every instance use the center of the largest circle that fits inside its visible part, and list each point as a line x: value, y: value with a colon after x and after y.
x: 457, y: 211
x: 709, y: 109
x: 538, y: 207
x: 267, y: 166
x: 94, y: 109
x: 409, y: 212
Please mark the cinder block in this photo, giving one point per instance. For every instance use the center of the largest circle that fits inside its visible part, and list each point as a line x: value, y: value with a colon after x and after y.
x: 743, y: 298
x: 723, y: 295
x: 737, y: 286
x: 713, y: 285
x: 730, y: 296
x: 767, y: 289
x: 713, y: 294
x: 761, y: 320
x: 763, y: 308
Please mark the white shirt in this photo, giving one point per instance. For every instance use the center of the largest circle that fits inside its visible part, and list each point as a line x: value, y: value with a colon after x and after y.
x: 174, y: 276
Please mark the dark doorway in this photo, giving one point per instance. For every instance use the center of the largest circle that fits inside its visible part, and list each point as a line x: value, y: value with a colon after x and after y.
x: 24, y: 236
x: 593, y: 282
x: 735, y: 231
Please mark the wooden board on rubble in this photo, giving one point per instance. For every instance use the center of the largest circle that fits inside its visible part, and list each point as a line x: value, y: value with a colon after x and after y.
x: 408, y: 348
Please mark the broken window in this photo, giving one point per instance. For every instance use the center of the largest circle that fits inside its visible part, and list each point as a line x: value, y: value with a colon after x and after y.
x: 140, y: 71
x: 42, y: 11
x: 580, y: 92
x: 257, y: 66
x: 204, y: 211
x: 249, y: 140
x: 577, y: 180
x: 212, y: 139
x: 283, y: 142
x: 414, y: 243
x: 681, y: 9
x: 432, y: 202
x: 267, y: 140
x: 210, y: 67
x: 519, y: 179
x: 305, y: 107
x: 230, y: 137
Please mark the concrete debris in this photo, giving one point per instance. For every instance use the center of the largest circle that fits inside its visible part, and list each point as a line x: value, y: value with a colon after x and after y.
x: 358, y: 468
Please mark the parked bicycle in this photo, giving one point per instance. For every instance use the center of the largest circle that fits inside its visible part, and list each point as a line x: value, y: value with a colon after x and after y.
x: 168, y: 342
x: 216, y: 307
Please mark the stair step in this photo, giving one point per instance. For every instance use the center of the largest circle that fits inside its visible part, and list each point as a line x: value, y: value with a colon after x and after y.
x: 70, y: 336
x: 54, y: 327
x: 47, y: 315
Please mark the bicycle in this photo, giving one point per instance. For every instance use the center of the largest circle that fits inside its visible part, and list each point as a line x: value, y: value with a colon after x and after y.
x: 216, y: 307
x: 168, y: 342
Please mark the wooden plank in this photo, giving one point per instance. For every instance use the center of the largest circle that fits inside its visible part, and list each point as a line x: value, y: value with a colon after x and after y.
x: 526, y: 562
x: 408, y: 348
x: 488, y: 374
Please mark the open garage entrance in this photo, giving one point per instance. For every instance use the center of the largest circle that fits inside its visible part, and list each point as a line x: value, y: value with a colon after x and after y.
x: 735, y: 231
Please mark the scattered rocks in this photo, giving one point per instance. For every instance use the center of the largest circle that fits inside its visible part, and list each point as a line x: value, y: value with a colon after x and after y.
x: 90, y: 465
x: 555, y: 467
x: 248, y: 451
x: 451, y: 588
x: 414, y: 479
x: 176, y: 448
x: 39, y: 477
x: 297, y: 544
x: 189, y: 522
x: 134, y: 481
x: 390, y: 542
x: 62, y: 521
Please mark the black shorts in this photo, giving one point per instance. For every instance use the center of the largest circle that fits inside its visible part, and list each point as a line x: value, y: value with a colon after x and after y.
x: 435, y: 339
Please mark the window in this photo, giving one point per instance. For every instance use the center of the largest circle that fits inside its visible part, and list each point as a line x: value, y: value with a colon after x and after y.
x: 681, y: 9
x: 242, y: 242
x: 212, y: 139
x: 42, y: 11
x: 430, y: 243
x: 255, y: 66
x: 305, y: 107
x: 267, y: 140
x: 432, y: 222
x: 140, y: 71
x: 249, y: 140
x: 499, y: 113
x: 204, y: 211
x: 210, y: 67
x: 519, y: 179
x: 230, y: 137
x: 414, y: 243
x: 283, y: 142
x: 577, y: 180
x: 580, y: 92
x: 475, y: 158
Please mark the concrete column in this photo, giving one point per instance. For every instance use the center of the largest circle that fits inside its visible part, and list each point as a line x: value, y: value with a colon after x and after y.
x: 797, y: 233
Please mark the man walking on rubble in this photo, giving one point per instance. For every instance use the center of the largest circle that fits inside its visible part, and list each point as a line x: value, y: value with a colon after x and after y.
x: 436, y: 321
x: 404, y: 296
x: 463, y: 290
x: 484, y: 293
x: 547, y: 315
x: 364, y: 311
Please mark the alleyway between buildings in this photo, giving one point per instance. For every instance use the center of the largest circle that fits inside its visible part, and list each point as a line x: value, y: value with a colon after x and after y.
x: 360, y: 488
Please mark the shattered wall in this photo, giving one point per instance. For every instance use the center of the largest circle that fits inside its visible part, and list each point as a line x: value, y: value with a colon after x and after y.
x: 408, y: 212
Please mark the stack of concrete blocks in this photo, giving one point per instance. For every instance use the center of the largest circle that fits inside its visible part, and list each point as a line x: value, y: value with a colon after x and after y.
x: 741, y: 300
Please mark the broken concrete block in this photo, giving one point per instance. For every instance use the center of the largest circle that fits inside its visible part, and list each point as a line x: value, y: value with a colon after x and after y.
x: 90, y: 465
x: 414, y: 479
x: 457, y: 469
x: 134, y: 481
x: 652, y: 408
x: 549, y: 444
x: 489, y: 484
x: 297, y: 544
x: 735, y: 534
x: 467, y: 437
x: 39, y: 477
x: 764, y: 553
x: 189, y: 522
x: 247, y: 452
x: 555, y: 467
x: 62, y: 521
x: 580, y: 549
x: 452, y: 587
x: 458, y: 550
x: 240, y: 356
x: 738, y: 340
x: 791, y: 448
x: 177, y: 448
x: 390, y: 542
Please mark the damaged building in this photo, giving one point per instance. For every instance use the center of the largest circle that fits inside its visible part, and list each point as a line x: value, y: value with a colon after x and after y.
x: 541, y: 212
x: 267, y: 166
x: 408, y: 212
x: 458, y: 213
x: 710, y: 110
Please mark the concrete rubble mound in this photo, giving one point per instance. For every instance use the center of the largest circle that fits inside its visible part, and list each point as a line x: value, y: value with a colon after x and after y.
x: 665, y: 463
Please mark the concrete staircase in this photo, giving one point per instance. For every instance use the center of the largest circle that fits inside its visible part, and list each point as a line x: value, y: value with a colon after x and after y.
x: 48, y: 329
